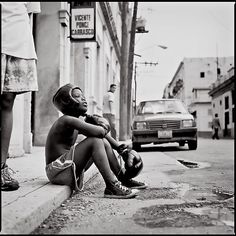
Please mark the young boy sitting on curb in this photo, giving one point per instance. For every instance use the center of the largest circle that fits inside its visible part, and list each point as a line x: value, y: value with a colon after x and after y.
x: 66, y: 160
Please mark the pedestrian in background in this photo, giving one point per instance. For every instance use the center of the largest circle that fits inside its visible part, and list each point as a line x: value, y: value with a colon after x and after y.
x: 18, y: 72
x: 109, y: 109
x: 215, y: 127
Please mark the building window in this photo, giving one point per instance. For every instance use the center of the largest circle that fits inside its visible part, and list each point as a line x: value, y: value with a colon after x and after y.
x: 202, y: 74
x: 233, y: 116
x: 225, y: 132
x: 220, y: 102
x: 233, y: 98
x: 194, y: 114
x: 226, y: 118
x: 213, y: 105
x: 108, y: 73
x: 226, y: 102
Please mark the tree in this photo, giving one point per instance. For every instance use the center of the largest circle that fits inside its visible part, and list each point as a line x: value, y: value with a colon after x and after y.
x: 126, y: 72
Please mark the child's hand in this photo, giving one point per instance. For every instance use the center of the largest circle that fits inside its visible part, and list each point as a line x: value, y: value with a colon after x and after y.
x: 98, y: 120
x: 122, y: 148
x: 133, y: 163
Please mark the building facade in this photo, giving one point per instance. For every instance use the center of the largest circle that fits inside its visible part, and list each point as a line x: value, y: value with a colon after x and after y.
x: 91, y: 65
x: 191, y: 85
x: 222, y: 92
x: 200, y: 107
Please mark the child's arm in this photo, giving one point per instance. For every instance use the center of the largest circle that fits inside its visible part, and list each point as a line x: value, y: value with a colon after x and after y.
x: 112, y: 141
x: 115, y: 145
x: 85, y: 128
x: 98, y: 120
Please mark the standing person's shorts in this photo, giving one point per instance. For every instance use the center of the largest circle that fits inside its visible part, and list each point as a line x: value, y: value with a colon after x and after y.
x: 18, y: 75
x: 62, y: 171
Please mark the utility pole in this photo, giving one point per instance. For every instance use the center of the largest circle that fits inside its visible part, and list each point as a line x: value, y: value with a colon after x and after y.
x: 130, y: 66
x: 135, y: 87
x: 124, y: 73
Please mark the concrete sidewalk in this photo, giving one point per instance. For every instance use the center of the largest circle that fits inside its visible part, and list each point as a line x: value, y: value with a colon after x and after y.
x: 24, y: 209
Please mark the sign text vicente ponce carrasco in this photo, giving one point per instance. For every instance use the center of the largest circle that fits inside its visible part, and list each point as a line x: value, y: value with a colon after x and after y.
x: 83, y: 23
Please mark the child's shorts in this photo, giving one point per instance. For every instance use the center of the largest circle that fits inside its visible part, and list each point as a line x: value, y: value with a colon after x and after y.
x: 62, y: 171
x: 18, y: 75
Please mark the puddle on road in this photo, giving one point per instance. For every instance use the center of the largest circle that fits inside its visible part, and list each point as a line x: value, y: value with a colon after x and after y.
x: 208, y: 194
x: 219, y: 214
x: 209, y: 211
x: 222, y: 194
x: 169, y: 216
x: 174, y: 191
x: 188, y: 164
x: 183, y: 216
x: 157, y: 193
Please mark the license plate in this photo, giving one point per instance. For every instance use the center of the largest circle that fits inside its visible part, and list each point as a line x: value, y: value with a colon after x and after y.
x: 164, y: 133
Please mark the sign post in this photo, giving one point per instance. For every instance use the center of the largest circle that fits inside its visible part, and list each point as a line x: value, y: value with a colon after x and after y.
x: 83, y: 21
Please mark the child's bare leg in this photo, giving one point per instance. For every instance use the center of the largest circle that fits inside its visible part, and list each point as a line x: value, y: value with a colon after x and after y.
x: 7, y: 101
x: 93, y: 147
x: 113, y: 160
x: 117, y: 169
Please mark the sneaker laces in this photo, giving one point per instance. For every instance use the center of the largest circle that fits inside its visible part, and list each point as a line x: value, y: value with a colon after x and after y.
x: 6, y: 173
x: 122, y: 187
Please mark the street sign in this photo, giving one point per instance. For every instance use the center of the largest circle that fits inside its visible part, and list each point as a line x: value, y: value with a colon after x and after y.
x: 83, y: 21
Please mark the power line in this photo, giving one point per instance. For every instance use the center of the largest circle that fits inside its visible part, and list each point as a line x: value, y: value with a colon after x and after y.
x: 147, y: 63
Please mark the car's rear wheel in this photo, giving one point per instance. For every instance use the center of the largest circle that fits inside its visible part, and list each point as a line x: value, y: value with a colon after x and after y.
x: 136, y: 146
x: 192, y: 144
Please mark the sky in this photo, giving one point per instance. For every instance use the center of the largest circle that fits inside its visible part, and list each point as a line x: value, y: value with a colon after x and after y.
x: 187, y: 29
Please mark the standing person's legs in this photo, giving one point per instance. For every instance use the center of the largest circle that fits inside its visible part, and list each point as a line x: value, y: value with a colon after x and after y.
x: 216, y: 133
x: 113, y: 126
x: 18, y: 75
x: 112, y: 122
x: 7, y: 101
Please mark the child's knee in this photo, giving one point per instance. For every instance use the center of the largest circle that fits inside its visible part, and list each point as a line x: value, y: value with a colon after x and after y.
x: 106, y: 143
x: 96, y: 141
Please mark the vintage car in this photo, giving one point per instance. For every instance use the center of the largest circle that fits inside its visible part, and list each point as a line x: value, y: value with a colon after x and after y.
x: 163, y: 121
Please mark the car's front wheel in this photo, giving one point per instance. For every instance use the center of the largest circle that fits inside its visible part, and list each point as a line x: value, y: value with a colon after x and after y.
x: 136, y: 146
x: 192, y: 144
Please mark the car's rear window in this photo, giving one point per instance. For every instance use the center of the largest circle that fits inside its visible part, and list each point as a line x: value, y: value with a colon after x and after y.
x: 161, y: 106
